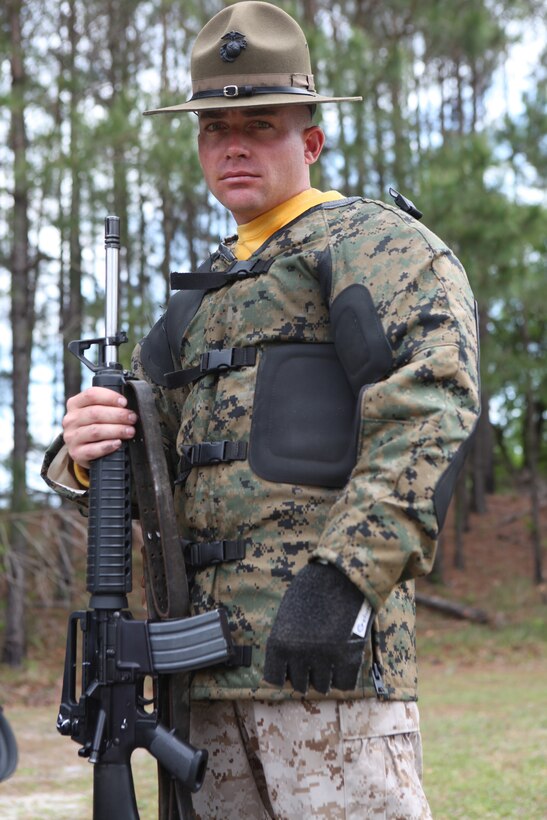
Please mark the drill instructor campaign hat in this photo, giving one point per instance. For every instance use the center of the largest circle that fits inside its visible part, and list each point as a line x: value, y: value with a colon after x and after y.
x: 250, y: 54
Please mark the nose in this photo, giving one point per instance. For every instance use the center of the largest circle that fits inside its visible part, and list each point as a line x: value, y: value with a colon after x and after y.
x: 236, y: 145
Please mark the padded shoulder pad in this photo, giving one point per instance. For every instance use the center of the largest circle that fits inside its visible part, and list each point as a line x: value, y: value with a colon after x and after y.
x: 359, y: 338
x: 160, y: 352
x: 160, y: 349
x: 156, y: 354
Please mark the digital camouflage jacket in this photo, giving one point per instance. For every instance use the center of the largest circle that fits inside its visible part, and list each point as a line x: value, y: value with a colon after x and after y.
x: 321, y: 398
x: 328, y: 388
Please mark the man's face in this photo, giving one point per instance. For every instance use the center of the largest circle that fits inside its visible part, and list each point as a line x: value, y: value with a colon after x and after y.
x: 253, y: 159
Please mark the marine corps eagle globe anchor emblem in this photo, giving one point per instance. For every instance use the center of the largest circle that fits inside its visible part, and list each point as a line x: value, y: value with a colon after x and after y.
x: 235, y: 43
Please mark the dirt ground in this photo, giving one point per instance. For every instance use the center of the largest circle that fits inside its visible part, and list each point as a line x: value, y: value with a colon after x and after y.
x: 497, y: 547
x: 51, y: 781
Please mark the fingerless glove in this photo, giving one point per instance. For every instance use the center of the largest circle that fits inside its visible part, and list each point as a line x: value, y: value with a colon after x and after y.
x: 312, y: 642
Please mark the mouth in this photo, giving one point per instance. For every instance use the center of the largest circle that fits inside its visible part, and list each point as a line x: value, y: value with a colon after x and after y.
x: 237, y: 176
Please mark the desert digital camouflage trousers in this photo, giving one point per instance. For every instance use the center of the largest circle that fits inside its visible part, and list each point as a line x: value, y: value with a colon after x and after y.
x: 292, y: 760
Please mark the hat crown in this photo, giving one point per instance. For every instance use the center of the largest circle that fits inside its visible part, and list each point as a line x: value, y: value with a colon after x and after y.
x: 249, y: 38
x: 251, y: 53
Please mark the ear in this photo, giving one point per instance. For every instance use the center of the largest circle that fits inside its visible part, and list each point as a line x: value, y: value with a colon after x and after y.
x: 314, y: 140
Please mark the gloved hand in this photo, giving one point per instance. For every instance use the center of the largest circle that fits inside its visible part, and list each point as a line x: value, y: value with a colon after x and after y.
x: 313, y: 640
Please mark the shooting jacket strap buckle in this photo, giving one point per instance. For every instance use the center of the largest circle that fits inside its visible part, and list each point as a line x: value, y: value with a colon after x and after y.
x: 209, y: 452
x: 210, y: 280
x: 206, y: 553
x: 241, y: 656
x: 213, y: 361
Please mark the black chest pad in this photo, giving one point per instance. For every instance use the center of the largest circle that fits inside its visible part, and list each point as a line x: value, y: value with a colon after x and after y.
x: 306, y: 417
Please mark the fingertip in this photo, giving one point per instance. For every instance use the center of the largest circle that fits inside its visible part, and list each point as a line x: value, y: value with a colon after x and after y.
x: 112, y: 446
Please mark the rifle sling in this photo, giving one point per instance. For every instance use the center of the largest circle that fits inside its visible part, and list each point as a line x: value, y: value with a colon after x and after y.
x: 166, y: 573
x: 165, y: 577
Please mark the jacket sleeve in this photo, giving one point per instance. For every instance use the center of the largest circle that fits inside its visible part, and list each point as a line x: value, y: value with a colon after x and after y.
x: 417, y: 416
x: 57, y: 471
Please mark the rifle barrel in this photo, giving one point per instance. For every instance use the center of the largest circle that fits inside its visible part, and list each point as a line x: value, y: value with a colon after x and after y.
x: 112, y: 246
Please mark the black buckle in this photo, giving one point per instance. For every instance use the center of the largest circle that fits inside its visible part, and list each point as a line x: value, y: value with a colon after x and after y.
x: 206, y: 280
x: 208, y: 452
x: 212, y: 361
x: 206, y: 553
x: 238, y: 90
x: 212, y: 452
x: 240, y: 656
x: 215, y: 360
x: 245, y: 268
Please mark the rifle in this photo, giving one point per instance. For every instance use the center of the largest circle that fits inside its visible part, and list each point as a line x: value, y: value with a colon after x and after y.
x: 109, y: 718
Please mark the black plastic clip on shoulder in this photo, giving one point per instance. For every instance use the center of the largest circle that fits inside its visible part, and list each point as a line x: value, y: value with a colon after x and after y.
x: 405, y: 204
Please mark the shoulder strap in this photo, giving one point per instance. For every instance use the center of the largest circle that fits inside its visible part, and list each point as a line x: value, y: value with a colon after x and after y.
x: 160, y: 349
x: 211, y: 280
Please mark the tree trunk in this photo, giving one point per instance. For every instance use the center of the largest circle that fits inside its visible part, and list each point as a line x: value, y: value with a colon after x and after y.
x: 531, y: 448
x: 436, y: 576
x: 462, y: 611
x: 22, y: 322
x: 460, y: 517
x: 397, y: 120
x: 379, y: 140
x: 482, y: 451
x: 167, y: 235
x: 72, y: 304
x: 482, y: 459
x: 537, y: 548
x: 14, y: 650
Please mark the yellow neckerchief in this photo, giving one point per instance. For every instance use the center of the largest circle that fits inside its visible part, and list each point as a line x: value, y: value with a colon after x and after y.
x: 253, y: 234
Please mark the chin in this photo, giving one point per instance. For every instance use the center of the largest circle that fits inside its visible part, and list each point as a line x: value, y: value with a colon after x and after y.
x: 243, y: 211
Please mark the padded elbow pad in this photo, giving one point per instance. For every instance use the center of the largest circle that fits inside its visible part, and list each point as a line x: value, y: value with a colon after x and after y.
x: 359, y: 338
x: 446, y: 485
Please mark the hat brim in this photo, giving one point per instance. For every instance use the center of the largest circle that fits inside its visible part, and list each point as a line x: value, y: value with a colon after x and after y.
x: 262, y: 101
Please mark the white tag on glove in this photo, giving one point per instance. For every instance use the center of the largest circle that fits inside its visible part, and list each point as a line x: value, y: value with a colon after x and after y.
x: 362, y: 621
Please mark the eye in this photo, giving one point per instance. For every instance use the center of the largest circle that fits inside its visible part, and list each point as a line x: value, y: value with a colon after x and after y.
x: 214, y: 126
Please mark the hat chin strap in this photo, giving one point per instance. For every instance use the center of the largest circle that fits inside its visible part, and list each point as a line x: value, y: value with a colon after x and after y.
x: 231, y: 91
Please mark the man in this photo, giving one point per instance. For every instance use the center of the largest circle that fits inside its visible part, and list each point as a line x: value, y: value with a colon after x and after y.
x: 315, y: 400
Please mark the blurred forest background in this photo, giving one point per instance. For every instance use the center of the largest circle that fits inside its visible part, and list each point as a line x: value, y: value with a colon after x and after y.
x: 442, y: 121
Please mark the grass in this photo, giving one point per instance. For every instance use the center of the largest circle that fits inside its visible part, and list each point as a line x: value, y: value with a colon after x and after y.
x: 485, y: 740
x: 484, y: 731
x: 483, y: 698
